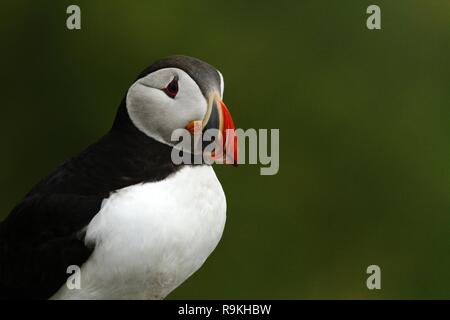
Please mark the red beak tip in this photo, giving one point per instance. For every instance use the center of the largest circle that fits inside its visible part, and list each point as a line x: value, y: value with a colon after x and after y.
x: 229, y: 132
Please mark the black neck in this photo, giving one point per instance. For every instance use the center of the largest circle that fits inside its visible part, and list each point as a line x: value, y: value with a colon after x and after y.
x: 124, y: 156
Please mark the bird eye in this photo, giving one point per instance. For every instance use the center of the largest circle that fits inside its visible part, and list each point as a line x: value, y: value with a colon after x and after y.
x: 172, y: 88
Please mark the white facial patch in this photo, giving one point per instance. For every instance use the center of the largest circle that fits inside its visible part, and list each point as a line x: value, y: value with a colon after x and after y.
x: 156, y: 114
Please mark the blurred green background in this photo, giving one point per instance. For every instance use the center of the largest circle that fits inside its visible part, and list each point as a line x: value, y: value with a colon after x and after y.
x: 364, y: 119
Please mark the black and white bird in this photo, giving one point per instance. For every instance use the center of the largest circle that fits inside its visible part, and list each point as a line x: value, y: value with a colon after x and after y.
x: 136, y: 224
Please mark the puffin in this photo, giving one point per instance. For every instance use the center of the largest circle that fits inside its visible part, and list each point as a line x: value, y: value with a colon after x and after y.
x: 134, y: 222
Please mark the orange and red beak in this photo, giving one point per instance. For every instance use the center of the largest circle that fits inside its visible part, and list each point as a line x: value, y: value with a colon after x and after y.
x: 228, y: 130
x: 218, y: 117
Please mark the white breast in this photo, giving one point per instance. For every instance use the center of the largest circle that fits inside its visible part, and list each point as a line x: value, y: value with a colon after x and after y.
x: 151, y: 237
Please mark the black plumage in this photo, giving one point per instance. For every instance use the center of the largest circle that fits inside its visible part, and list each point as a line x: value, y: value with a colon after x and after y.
x: 41, y: 237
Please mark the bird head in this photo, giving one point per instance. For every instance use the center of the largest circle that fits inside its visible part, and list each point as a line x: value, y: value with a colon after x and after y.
x: 181, y: 92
